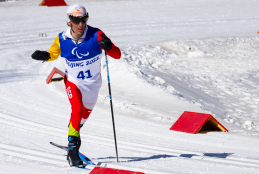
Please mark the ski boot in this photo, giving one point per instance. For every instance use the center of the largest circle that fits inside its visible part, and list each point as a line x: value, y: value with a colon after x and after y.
x: 72, y: 152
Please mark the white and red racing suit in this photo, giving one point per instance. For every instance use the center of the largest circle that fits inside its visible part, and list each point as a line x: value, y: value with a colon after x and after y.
x: 83, y: 71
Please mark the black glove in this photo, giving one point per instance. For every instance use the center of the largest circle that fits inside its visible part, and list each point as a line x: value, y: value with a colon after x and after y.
x: 40, y: 55
x: 105, y: 43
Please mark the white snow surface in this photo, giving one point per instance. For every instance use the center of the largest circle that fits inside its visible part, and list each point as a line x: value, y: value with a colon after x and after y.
x: 177, y: 56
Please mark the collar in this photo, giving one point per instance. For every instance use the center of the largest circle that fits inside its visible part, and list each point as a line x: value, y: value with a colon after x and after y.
x: 67, y: 33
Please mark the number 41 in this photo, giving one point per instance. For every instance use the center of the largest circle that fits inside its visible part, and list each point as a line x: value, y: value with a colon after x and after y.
x: 82, y: 76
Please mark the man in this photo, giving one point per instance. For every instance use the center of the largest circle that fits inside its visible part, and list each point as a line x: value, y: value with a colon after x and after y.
x: 81, y: 46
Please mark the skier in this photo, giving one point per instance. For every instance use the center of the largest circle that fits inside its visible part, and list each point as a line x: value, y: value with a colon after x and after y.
x: 81, y: 45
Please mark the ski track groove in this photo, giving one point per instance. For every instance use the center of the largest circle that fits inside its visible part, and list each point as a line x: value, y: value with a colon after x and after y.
x: 33, y: 152
x: 127, y: 145
x: 89, y: 167
x: 30, y: 157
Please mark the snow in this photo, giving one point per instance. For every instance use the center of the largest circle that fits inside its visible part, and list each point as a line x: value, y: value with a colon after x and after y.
x: 177, y: 56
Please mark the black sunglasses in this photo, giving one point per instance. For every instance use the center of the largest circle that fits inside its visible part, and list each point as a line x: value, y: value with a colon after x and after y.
x: 77, y: 20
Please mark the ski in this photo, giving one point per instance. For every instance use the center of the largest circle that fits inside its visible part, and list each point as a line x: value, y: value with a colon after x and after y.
x: 82, y: 156
x: 59, y: 146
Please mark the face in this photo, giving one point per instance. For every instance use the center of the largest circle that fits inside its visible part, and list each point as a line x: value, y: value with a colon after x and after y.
x: 78, y: 26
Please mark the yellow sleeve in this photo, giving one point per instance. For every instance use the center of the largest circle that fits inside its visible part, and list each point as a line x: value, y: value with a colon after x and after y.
x: 54, y: 50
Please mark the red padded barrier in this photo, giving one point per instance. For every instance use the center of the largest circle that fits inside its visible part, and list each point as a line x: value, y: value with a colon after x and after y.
x: 104, y: 170
x: 192, y: 122
x: 52, y: 73
x: 51, y: 3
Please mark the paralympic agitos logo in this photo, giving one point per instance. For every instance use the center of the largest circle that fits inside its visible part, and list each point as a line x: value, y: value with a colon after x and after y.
x: 79, y: 55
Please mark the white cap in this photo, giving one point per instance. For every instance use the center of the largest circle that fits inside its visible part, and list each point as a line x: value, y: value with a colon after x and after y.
x: 76, y: 10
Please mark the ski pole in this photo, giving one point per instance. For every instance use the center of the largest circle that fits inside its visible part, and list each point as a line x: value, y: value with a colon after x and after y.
x: 109, y: 86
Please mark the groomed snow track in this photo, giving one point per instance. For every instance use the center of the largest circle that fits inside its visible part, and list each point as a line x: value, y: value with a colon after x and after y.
x: 122, y: 145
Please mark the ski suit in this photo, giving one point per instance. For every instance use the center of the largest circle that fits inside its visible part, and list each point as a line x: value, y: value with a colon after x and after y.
x: 83, y: 71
